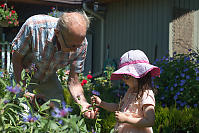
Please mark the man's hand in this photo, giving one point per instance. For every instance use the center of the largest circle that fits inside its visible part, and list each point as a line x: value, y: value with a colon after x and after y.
x: 89, y: 112
x: 38, y: 97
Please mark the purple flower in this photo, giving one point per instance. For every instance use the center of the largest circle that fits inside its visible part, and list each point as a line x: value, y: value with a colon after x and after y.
x: 14, y: 90
x: 58, y: 113
x: 178, y: 102
x: 182, y: 74
x: 183, y: 104
x: 182, y: 82
x: 186, y: 59
x: 178, y: 93
x: 187, y: 77
x: 6, y: 101
x: 166, y: 88
x: 1, y: 74
x: 30, y: 118
x: 195, y: 105
x: 197, y: 78
x: 175, y: 85
x: 171, y: 58
x: 94, y: 92
x: 162, y: 98
x: 181, y: 89
x: 197, y: 71
x: 186, y: 69
x: 171, y: 88
x: 163, y: 105
x: 161, y: 70
x: 33, y: 67
x: 175, y: 97
x: 60, y: 122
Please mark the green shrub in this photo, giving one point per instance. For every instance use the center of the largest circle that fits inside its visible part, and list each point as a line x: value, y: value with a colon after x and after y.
x: 178, y: 83
x: 172, y: 120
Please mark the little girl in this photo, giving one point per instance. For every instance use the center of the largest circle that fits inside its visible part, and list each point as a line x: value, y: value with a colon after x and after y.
x: 135, y: 113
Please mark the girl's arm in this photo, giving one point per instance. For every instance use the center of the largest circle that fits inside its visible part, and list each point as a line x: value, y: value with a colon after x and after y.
x: 107, y: 106
x: 147, y: 120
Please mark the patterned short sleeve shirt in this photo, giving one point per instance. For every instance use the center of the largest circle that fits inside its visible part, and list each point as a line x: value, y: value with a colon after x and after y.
x: 36, y: 42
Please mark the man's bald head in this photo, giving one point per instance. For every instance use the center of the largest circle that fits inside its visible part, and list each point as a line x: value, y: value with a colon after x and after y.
x: 75, y: 23
x: 71, y: 30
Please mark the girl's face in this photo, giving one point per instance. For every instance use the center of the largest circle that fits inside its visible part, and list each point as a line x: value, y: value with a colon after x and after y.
x: 130, y: 81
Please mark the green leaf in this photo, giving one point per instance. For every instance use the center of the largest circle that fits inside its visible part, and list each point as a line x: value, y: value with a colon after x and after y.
x: 12, y: 119
x: 53, y: 125
x: 23, y: 74
x: 3, y: 82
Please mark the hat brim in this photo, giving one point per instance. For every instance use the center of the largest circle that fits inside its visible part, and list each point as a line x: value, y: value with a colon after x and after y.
x: 136, y: 70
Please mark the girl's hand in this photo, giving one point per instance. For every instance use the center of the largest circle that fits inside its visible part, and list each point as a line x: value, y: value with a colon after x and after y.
x: 96, y: 100
x: 120, y: 116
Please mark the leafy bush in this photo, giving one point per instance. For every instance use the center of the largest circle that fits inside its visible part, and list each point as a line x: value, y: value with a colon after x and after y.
x: 179, y: 80
x: 100, y: 85
x: 17, y: 115
x: 172, y: 120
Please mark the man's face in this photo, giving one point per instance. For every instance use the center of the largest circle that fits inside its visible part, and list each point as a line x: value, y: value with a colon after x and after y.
x: 69, y: 41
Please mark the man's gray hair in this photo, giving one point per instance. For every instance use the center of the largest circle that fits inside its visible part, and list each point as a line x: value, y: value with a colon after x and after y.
x: 64, y: 20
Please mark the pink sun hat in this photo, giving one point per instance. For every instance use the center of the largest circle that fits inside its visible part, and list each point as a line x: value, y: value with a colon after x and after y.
x: 136, y: 64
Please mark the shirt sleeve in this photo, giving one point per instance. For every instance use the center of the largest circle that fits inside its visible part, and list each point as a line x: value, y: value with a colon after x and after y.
x: 148, y: 98
x: 21, y: 42
x: 81, y: 56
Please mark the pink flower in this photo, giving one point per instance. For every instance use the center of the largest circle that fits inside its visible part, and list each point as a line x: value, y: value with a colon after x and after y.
x: 2, y: 5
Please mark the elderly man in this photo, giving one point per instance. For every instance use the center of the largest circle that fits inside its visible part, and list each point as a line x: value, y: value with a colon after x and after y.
x: 49, y: 44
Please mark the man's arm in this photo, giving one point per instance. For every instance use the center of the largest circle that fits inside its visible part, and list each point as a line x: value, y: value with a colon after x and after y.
x: 77, y: 93
x: 75, y: 87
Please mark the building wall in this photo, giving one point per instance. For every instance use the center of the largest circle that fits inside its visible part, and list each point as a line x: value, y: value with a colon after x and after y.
x: 139, y: 24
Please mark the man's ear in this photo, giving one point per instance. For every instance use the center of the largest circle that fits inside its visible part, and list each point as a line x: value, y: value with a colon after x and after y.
x: 56, y: 32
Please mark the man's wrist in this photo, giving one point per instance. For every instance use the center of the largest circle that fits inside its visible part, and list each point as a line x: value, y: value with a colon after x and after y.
x: 80, y: 99
x: 101, y: 104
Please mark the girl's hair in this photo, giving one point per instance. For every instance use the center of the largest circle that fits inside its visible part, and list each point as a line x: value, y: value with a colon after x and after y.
x: 144, y: 83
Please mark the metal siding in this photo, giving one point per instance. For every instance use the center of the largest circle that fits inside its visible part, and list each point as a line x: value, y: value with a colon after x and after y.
x: 141, y: 24
x: 96, y: 45
x: 187, y: 4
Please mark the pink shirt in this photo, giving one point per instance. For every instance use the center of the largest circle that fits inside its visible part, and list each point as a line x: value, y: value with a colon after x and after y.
x: 133, y: 108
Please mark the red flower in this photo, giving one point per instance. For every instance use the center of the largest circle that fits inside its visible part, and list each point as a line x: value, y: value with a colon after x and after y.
x: 89, y: 76
x: 84, y: 81
x: 2, y: 5
x: 13, y: 12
